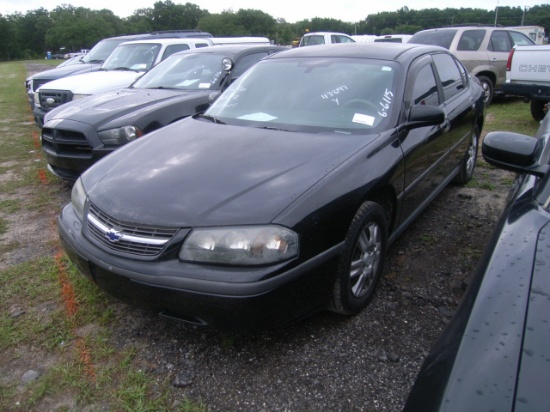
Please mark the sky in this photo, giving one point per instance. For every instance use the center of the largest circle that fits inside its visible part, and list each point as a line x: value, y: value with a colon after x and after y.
x: 292, y: 11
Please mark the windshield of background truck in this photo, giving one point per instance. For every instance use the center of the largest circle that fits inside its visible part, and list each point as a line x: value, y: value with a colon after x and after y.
x: 137, y: 57
x: 187, y: 71
x: 101, y: 51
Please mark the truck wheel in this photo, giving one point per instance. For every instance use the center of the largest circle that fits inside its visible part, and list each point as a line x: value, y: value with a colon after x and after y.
x: 537, y: 109
x: 488, y: 89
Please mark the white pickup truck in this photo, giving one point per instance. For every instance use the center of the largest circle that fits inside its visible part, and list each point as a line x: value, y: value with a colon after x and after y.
x: 528, y: 75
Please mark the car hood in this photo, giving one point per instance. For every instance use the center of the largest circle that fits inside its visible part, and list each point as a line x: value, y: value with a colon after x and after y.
x: 98, y: 110
x: 194, y: 173
x: 95, y: 82
x: 60, y: 72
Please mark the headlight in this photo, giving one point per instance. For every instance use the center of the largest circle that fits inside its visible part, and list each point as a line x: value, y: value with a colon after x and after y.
x: 80, y: 96
x: 78, y: 199
x: 242, y: 245
x: 36, y: 99
x: 119, y: 136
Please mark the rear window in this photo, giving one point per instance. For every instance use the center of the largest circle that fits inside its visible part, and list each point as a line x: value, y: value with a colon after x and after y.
x: 442, y: 38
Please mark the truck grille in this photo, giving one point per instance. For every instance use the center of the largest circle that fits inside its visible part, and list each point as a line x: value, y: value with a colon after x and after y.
x: 127, y: 238
x: 50, y: 99
x: 66, y: 143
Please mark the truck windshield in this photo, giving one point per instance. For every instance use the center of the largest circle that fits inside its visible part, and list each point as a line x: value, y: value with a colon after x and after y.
x: 137, y: 57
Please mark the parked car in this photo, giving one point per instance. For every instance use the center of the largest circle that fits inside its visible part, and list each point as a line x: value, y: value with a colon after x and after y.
x: 79, y: 133
x: 125, y: 64
x: 393, y: 38
x: 527, y: 76
x: 493, y: 355
x: 93, y: 60
x: 280, y: 200
x: 322, y: 37
x: 483, y: 50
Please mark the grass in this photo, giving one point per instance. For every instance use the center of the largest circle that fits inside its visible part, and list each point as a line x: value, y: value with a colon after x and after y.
x: 49, y: 311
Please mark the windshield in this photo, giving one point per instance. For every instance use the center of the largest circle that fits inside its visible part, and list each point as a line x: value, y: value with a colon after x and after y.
x: 185, y: 71
x: 101, y: 51
x: 137, y: 57
x: 313, y: 94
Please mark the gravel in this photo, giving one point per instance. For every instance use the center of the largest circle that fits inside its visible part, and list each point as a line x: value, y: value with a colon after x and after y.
x: 327, y: 362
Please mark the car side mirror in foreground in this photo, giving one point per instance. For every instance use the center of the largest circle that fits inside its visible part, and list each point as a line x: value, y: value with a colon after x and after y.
x: 514, y: 152
x: 425, y: 115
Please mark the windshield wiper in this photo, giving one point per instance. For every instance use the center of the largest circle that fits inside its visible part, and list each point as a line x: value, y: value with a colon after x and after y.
x: 210, y: 118
x: 95, y: 61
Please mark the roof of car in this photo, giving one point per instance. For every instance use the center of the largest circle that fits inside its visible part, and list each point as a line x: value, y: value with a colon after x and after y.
x: 171, y: 40
x: 162, y: 34
x: 234, y: 49
x: 379, y: 51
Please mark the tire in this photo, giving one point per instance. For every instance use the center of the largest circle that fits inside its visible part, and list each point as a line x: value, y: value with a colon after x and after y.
x: 488, y: 89
x: 361, y: 261
x: 537, y: 109
x: 468, y: 163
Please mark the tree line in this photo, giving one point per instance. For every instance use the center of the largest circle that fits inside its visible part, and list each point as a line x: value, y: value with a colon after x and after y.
x: 68, y: 28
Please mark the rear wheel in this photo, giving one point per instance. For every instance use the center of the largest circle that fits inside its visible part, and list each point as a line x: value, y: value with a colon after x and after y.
x: 537, y: 109
x: 468, y: 163
x: 361, y: 262
x: 488, y: 89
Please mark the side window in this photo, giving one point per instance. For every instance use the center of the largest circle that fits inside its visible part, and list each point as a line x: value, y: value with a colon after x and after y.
x: 449, y: 74
x: 425, y: 87
x: 199, y: 45
x: 344, y: 39
x: 174, y: 48
x: 520, y: 39
x: 500, y: 42
x: 246, y: 62
x: 471, y: 40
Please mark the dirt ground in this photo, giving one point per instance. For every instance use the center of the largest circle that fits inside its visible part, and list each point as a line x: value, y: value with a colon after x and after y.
x: 330, y: 363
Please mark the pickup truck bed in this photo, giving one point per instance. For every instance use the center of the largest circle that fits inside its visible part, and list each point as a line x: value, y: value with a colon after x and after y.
x: 528, y: 75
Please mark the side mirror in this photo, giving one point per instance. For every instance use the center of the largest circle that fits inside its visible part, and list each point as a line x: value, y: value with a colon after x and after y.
x: 514, y: 152
x: 425, y: 115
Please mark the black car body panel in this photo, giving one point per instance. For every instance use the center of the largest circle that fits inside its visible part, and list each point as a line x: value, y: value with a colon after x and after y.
x: 146, y: 109
x: 271, y: 169
x: 494, y: 353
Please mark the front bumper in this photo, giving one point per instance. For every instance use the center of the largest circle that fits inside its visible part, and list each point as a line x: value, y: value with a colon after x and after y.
x: 242, y: 300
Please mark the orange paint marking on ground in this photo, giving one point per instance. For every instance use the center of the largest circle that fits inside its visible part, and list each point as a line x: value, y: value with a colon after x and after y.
x: 71, y: 306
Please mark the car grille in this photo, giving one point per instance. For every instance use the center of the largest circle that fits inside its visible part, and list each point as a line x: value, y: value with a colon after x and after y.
x: 50, y: 99
x: 66, y: 142
x: 126, y: 238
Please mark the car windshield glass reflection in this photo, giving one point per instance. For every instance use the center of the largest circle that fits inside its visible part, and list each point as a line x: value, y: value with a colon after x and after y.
x: 187, y: 72
x: 351, y: 96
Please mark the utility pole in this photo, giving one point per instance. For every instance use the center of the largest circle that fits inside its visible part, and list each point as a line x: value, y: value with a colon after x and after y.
x: 496, y: 15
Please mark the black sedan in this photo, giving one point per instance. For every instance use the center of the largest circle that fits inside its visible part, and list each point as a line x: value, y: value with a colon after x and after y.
x: 494, y: 355
x: 281, y: 199
x: 77, y: 134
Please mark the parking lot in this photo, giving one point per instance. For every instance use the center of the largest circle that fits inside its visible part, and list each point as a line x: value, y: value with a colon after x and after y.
x: 367, y: 362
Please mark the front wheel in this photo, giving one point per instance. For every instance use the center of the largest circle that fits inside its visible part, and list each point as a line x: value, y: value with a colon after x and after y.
x: 362, y: 259
x: 469, y: 160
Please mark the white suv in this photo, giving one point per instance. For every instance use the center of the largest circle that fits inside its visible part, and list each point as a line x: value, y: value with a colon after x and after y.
x: 324, y: 37
x: 483, y: 50
x: 125, y: 64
